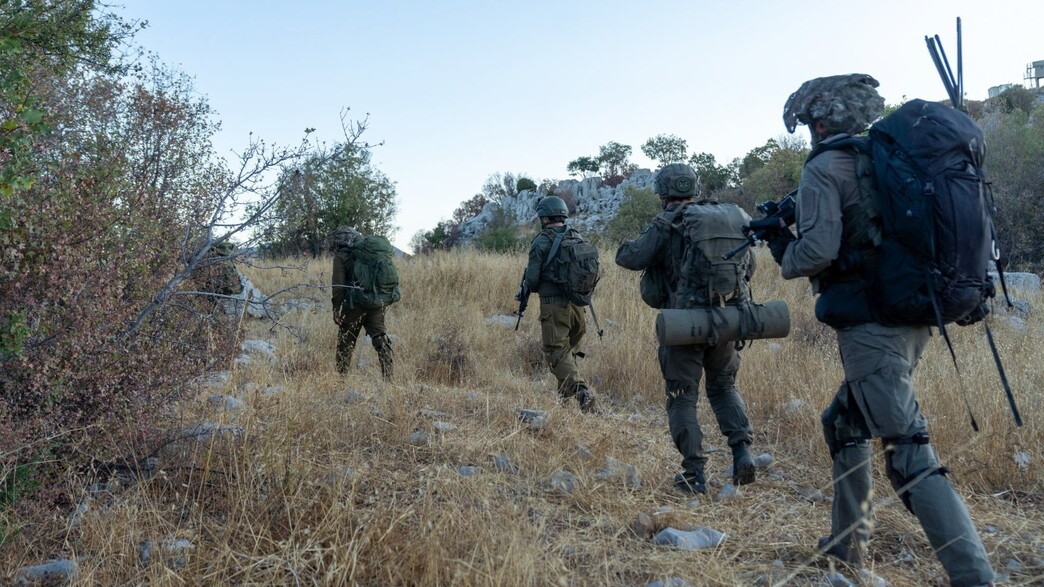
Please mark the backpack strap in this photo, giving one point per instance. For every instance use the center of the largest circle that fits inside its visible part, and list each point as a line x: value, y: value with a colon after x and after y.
x: 555, y: 245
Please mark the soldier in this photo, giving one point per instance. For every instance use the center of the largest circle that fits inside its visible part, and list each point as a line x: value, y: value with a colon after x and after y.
x: 220, y: 273
x: 348, y: 313
x: 660, y: 249
x: 876, y: 399
x: 562, y: 323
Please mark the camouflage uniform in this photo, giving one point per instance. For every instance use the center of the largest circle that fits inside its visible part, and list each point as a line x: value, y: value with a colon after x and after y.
x: 220, y: 274
x: 354, y: 318
x: 562, y: 323
x: 661, y: 245
x: 876, y: 399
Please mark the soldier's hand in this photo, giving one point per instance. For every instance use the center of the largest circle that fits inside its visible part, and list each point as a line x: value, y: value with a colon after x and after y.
x: 337, y: 317
x: 778, y: 244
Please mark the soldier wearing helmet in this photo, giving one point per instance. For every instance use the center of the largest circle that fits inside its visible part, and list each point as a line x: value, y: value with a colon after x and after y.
x: 349, y: 318
x: 659, y: 251
x: 836, y: 247
x: 219, y: 272
x: 562, y: 323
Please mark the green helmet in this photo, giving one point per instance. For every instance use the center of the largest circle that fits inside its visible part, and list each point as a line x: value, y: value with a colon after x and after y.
x: 552, y: 206
x: 677, y: 180
x: 223, y: 249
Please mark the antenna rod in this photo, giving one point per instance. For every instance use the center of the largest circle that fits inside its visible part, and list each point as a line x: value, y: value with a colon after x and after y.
x: 947, y: 80
x: 960, y: 66
x: 946, y: 62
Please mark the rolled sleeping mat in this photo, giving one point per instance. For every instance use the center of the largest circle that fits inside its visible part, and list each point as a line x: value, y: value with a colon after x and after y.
x: 723, y: 324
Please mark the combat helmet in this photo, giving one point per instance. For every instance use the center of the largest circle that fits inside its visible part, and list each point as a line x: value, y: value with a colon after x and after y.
x: 223, y: 249
x: 843, y: 103
x: 345, y: 236
x: 552, y: 206
x: 677, y: 180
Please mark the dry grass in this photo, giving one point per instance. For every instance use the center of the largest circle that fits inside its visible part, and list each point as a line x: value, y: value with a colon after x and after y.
x: 325, y: 487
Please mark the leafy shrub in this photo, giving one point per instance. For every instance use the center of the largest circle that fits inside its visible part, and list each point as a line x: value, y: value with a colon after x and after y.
x: 524, y: 183
x: 501, y: 239
x: 639, y: 207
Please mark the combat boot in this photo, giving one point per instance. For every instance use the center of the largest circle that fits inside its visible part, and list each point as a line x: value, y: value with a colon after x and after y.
x: 842, y: 551
x: 691, y: 482
x: 586, y: 399
x: 743, y: 469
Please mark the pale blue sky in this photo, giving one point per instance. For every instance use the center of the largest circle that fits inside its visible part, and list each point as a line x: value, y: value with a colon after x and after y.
x: 459, y: 90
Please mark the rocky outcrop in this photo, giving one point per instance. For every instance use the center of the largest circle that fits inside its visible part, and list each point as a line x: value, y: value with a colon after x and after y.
x: 596, y: 204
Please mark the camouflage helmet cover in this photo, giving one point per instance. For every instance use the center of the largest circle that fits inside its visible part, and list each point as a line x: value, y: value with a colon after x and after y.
x: 677, y: 180
x: 843, y: 103
x: 344, y: 236
x: 223, y: 249
x: 552, y: 206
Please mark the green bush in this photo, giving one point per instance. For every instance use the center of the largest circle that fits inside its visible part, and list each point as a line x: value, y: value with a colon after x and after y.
x: 501, y: 239
x: 639, y: 207
x: 524, y: 183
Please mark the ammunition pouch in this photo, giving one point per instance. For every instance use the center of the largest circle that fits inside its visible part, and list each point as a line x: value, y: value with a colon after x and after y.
x: 715, y: 325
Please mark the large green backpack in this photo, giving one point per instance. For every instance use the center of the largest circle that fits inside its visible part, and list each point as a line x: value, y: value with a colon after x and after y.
x: 711, y: 229
x: 375, y: 281
x: 573, y: 264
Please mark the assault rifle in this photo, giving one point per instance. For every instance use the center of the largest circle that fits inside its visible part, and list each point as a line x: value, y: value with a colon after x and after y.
x: 522, y: 297
x: 760, y: 229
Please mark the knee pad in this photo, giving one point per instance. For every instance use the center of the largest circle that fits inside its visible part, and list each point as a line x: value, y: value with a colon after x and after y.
x: 899, y: 476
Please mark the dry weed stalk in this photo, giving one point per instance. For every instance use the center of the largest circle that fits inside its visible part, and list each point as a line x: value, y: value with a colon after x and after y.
x: 330, y: 485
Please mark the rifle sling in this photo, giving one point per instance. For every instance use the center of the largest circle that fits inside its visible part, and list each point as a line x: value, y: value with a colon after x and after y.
x: 557, y: 244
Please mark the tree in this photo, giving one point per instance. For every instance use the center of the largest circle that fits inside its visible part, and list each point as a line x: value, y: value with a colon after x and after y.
x: 1014, y: 98
x: 583, y: 166
x: 774, y: 170
x: 713, y: 177
x: 523, y: 184
x: 443, y: 236
x: 501, y: 186
x: 756, y: 158
x: 470, y: 208
x: 332, y: 186
x: 110, y: 202
x: 614, y: 160
x: 1013, y: 162
x: 666, y: 149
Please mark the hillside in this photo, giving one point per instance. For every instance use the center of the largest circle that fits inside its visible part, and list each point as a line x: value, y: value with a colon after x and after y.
x: 288, y: 474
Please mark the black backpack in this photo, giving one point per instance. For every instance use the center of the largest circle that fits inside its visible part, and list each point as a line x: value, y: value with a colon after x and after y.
x: 932, y: 199
x: 573, y: 264
x: 937, y: 236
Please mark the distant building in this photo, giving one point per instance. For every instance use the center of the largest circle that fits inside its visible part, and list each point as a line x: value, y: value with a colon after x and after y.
x: 998, y: 90
x: 1034, y: 73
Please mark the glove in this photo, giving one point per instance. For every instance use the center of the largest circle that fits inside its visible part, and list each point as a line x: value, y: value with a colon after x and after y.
x: 778, y: 242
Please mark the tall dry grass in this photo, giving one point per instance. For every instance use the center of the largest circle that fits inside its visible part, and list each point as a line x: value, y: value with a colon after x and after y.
x: 325, y: 486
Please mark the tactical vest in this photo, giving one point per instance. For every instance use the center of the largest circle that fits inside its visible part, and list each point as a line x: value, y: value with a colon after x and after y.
x: 860, y: 227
